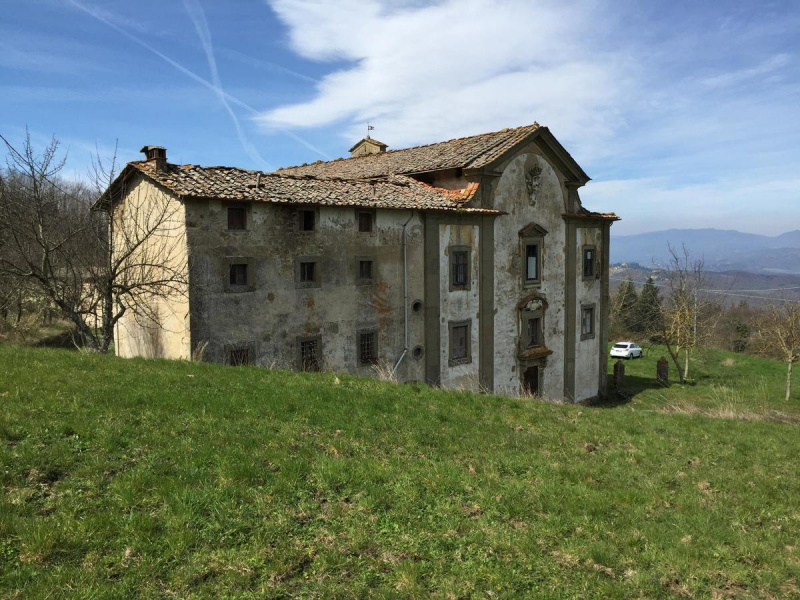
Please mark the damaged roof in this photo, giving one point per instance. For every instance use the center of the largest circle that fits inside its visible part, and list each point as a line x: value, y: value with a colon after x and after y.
x: 471, y: 152
x: 230, y: 183
x: 380, y: 180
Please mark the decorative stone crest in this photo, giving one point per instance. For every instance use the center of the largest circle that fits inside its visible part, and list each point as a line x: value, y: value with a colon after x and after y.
x: 532, y: 180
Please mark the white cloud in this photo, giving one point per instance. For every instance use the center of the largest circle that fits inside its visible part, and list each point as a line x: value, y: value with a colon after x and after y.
x: 766, y: 67
x: 425, y: 73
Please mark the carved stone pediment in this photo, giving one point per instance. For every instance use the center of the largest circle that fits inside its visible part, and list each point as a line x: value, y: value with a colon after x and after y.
x: 534, y: 353
x: 532, y: 229
x: 533, y: 301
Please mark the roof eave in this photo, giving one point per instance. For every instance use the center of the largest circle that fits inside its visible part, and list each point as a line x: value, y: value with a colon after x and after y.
x: 552, y: 147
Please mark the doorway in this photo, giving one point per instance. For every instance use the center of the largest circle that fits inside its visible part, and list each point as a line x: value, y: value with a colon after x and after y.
x: 530, y: 381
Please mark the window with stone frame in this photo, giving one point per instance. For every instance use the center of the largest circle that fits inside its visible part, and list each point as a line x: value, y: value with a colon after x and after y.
x: 460, y: 342
x: 367, y: 347
x: 310, y: 353
x: 366, y: 221
x: 589, y: 262
x: 587, y: 321
x: 460, y: 268
x: 532, y: 262
x: 533, y: 332
x: 239, y: 274
x: 531, y: 325
x: 237, y: 218
x: 365, y: 270
x: 532, y: 250
x: 238, y: 357
x: 307, y: 219
x: 308, y: 271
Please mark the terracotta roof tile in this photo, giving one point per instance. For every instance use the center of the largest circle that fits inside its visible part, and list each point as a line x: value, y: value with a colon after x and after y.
x: 229, y: 183
x: 468, y: 152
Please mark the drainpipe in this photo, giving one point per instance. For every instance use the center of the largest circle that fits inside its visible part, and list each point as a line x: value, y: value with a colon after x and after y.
x: 405, y: 295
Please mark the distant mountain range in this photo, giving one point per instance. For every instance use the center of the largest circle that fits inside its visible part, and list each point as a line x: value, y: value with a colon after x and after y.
x: 722, y: 250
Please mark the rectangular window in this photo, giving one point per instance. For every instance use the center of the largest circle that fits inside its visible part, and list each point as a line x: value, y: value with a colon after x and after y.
x: 587, y: 322
x: 367, y: 347
x: 589, y: 254
x: 365, y: 221
x: 307, y: 272
x: 238, y: 357
x: 307, y: 219
x: 310, y: 355
x: 460, y: 343
x: 459, y: 268
x: 238, y: 274
x: 237, y: 218
x: 365, y: 270
x: 534, y: 332
x: 531, y: 262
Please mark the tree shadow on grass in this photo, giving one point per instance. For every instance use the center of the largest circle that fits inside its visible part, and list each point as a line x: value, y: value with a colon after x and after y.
x: 633, y: 385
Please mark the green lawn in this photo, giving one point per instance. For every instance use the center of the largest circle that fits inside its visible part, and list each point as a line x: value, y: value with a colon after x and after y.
x: 150, y: 479
x: 720, y: 384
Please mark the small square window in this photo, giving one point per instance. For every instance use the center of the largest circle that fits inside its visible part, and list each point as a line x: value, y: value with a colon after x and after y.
x: 459, y: 268
x: 532, y: 263
x: 237, y: 218
x: 589, y: 258
x: 308, y: 272
x: 365, y: 270
x: 587, y: 322
x: 238, y: 357
x: 365, y: 221
x: 367, y: 347
x: 310, y: 357
x: 238, y: 274
x: 307, y: 219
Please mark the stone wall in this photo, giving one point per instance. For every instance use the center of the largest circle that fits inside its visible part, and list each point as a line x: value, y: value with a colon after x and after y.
x: 543, y: 206
x: 160, y: 327
x: 274, y: 312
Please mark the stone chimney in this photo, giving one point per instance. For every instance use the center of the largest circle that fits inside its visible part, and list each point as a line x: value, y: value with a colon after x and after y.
x: 367, y: 146
x: 156, y: 153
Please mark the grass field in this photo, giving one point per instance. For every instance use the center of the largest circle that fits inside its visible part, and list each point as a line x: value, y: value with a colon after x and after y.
x: 131, y: 478
x: 720, y: 383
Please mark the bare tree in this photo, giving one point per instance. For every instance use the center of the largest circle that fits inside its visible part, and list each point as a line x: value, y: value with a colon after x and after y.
x: 93, y: 265
x: 686, y: 317
x: 44, y: 225
x: 144, y: 250
x: 779, y: 333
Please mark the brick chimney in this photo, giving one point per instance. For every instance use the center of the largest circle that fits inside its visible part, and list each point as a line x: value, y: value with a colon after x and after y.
x: 156, y: 153
x: 367, y: 146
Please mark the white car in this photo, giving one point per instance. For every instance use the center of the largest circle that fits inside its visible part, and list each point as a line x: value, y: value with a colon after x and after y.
x: 626, y: 350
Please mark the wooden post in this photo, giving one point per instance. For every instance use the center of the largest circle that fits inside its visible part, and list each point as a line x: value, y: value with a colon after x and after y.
x: 619, y: 374
x: 662, y: 371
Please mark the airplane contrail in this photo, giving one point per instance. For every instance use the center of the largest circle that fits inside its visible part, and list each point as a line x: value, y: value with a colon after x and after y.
x: 198, y: 17
x: 191, y: 74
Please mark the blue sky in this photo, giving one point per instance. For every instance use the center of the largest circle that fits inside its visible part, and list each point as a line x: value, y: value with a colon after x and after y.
x: 685, y: 113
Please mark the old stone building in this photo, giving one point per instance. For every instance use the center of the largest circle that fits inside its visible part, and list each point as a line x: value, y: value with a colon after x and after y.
x: 469, y: 262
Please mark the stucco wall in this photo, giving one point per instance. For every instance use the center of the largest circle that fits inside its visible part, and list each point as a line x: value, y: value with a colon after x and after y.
x: 512, y: 196
x: 459, y: 304
x: 271, y: 317
x: 588, y: 292
x: 159, y: 326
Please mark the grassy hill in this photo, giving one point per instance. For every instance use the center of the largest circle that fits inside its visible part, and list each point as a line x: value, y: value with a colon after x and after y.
x: 164, y: 479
